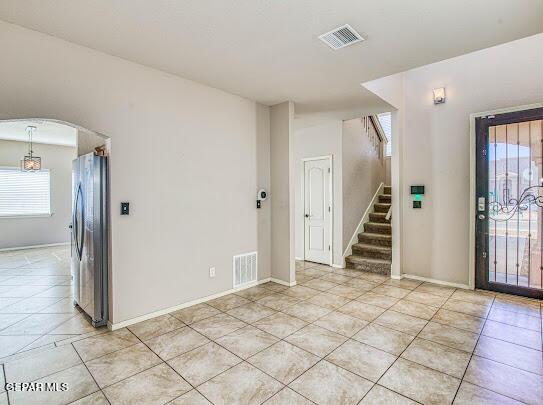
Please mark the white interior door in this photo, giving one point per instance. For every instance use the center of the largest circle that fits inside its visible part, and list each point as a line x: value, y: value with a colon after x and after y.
x: 317, y: 210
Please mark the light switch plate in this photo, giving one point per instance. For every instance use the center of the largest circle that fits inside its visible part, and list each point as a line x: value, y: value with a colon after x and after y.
x: 211, y: 272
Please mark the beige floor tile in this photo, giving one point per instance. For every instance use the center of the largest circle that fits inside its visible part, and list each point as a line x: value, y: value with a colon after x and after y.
x: 390, y: 291
x: 361, y: 310
x: 475, y: 297
x: 316, y: 340
x: 506, y: 380
x: 401, y: 322
x: 329, y: 301
x: 301, y: 292
x: 98, y: 398
x: 437, y: 357
x: 469, y: 308
x: 373, y: 277
x: 195, y: 313
x: 526, y: 308
x: 203, y: 363
x: 459, y: 320
x: 328, y: 384
x: 192, y: 397
x: 278, y: 301
x: 320, y: 284
x: 96, y: 346
x: 47, y: 340
x: 426, y: 298
x: 242, y: 384
x: 280, y: 324
x: 414, y: 309
x: 449, y: 336
x: 519, y: 336
x: 405, y: 283
x: 316, y: 271
x: 287, y: 396
x: 12, y: 344
x: 508, y: 353
x: 302, y: 278
x: 381, y: 396
x: 515, y: 319
x: 247, y: 341
x: 360, y: 284
x: 64, y: 306
x: 306, y: 311
x: 228, y: 302
x: 78, y: 324
x: 11, y: 319
x: 78, y: 379
x: 155, y: 326
x: 111, y: 368
x: 343, y: 324
x: 36, y: 324
x: 435, y: 289
x: 29, y: 305
x: 469, y: 394
x: 41, y: 364
x: 420, y: 383
x: 383, y: 338
x: 346, y: 291
x: 251, y: 312
x: 254, y: 293
x: 361, y: 359
x: 335, y: 278
x: 60, y: 291
x: 275, y: 287
x: 176, y: 342
x: 218, y: 325
x: 283, y: 361
x: 156, y: 385
x: 383, y: 301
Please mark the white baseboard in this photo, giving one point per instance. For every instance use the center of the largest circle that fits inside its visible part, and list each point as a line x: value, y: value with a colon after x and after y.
x: 299, y: 259
x: 434, y: 281
x: 132, y: 321
x: 35, y: 246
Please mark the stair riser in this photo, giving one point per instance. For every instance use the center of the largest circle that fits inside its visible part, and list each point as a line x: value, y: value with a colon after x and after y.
x: 379, y: 218
x: 387, y: 190
x: 372, y: 254
x: 374, y: 228
x: 385, y: 199
x: 362, y: 238
x: 371, y: 268
x: 381, y: 208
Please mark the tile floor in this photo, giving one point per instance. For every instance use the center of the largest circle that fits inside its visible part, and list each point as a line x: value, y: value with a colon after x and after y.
x: 338, y: 337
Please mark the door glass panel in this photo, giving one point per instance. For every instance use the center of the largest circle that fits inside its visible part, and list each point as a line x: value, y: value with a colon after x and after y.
x: 515, y: 204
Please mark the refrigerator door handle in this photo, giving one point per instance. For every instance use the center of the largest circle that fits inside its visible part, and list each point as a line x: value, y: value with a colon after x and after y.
x: 79, y: 239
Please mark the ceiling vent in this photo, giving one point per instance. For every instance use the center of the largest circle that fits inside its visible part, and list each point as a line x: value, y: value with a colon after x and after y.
x: 341, y: 37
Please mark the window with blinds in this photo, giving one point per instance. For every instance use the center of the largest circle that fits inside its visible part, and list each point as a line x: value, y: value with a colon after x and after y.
x: 385, y: 120
x: 24, y: 193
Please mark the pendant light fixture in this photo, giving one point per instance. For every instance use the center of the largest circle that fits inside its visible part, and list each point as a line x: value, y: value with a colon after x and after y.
x: 30, y: 163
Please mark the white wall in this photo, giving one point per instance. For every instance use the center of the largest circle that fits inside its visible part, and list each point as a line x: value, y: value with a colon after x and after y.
x: 319, y: 140
x: 186, y: 156
x: 363, y: 171
x: 282, y: 191
x: 31, y: 231
x: 434, y: 147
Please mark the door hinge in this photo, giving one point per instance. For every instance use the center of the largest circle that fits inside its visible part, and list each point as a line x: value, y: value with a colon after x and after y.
x: 329, y: 170
x: 484, y: 255
x: 329, y: 209
x: 328, y: 247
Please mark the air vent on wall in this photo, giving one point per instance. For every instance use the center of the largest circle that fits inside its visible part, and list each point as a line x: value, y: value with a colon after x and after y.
x: 341, y: 37
x: 245, y: 269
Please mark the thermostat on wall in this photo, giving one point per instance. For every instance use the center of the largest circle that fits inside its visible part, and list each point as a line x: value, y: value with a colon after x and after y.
x: 417, y: 189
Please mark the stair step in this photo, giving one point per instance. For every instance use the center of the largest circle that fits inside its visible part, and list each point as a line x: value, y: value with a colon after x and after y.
x: 379, y: 217
x: 385, y: 198
x: 381, y: 207
x: 378, y: 239
x: 370, y: 265
x: 387, y: 190
x: 372, y: 251
x: 378, y: 227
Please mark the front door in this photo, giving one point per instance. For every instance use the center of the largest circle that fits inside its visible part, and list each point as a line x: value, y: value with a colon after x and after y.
x: 317, y: 210
x: 509, y: 203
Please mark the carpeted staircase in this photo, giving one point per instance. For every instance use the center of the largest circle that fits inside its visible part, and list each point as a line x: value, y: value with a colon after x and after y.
x: 373, y: 252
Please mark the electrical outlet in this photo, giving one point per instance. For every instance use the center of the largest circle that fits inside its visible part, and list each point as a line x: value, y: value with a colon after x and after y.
x: 211, y: 272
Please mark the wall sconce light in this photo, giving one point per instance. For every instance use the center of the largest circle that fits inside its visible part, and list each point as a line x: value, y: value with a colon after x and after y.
x: 439, y: 95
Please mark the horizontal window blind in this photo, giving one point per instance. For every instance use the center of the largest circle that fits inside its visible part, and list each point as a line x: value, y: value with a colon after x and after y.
x: 24, y: 193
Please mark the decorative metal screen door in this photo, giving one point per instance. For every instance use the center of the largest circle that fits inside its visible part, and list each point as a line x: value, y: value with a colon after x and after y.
x: 509, y: 203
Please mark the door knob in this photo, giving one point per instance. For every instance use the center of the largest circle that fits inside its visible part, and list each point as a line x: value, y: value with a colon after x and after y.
x: 481, y: 216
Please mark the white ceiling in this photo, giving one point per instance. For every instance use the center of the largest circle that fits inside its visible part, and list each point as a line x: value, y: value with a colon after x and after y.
x: 46, y: 132
x: 268, y: 50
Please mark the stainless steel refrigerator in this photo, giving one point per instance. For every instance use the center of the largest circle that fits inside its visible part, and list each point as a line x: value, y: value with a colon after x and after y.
x: 90, y: 236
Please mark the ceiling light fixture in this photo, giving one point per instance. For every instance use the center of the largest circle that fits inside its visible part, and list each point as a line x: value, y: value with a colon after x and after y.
x: 30, y: 163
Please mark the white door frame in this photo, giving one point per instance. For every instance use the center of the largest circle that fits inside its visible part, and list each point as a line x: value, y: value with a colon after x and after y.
x: 331, y: 191
x: 472, y: 177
